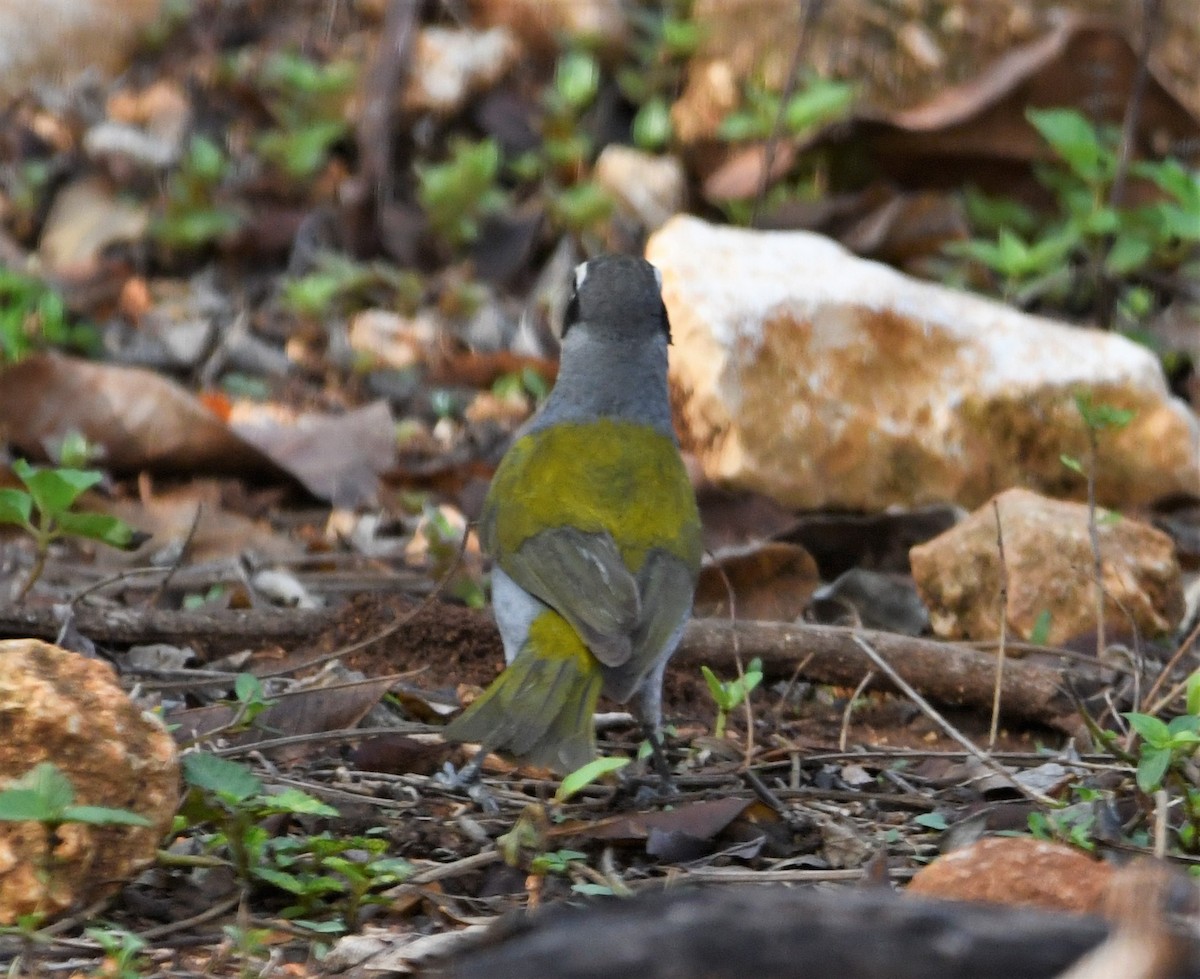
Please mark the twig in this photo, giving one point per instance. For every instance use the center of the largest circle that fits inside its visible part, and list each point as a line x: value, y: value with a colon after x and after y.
x: 184, y: 548
x: 862, y: 685
x: 1184, y: 648
x: 1151, y: 20
x: 808, y: 14
x: 947, y: 727
x: 1002, y: 648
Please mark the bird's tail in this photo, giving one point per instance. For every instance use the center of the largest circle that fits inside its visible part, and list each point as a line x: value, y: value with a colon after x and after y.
x: 540, y: 708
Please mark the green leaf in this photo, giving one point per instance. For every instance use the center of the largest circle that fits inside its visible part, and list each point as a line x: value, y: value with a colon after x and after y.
x: 931, y: 820
x: 577, y: 79
x: 295, y: 802
x: 104, y: 816
x: 19, y: 805
x: 54, y: 490
x: 42, y: 794
x: 652, y: 125
x: 1152, y: 767
x: 1041, y: 628
x: 586, y: 775
x: 1076, y: 140
x: 716, y: 688
x: 1183, y: 727
x: 102, y: 527
x: 1193, y: 693
x: 216, y: 774
x: 820, y: 102
x: 1153, y: 731
x: 16, y: 506
x: 1072, y: 463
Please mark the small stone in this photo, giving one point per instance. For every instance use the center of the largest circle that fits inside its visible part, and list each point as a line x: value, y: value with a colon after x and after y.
x: 1049, y: 573
x: 1017, y: 871
x: 649, y: 188
x: 451, y: 65
x: 59, y: 707
x: 541, y: 25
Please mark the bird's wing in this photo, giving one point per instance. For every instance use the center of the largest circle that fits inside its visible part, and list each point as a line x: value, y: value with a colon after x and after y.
x: 666, y: 585
x: 582, y: 577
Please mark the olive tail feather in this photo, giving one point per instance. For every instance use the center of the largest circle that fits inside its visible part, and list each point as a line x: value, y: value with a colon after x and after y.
x: 540, y: 708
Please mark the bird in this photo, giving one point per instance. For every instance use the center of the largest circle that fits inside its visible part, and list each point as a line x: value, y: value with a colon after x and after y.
x: 592, y: 526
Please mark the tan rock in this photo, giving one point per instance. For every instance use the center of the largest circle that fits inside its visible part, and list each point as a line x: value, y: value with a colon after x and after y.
x: 1048, y: 557
x: 649, y: 188
x: 540, y: 24
x: 451, y: 65
x: 1017, y: 871
x: 59, y: 707
x: 44, y: 40
x: 824, y: 380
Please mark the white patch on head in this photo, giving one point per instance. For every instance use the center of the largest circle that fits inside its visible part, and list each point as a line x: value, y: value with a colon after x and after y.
x: 580, y: 275
x: 657, y: 276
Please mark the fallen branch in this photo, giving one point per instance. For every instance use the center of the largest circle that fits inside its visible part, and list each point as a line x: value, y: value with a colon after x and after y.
x: 947, y: 673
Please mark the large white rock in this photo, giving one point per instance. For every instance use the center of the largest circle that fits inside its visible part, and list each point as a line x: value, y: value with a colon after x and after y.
x: 827, y: 381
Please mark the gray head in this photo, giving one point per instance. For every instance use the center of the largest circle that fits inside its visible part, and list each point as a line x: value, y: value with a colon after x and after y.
x: 618, y: 295
x: 614, y: 347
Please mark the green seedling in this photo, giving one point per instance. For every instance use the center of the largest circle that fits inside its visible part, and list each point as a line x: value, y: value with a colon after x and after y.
x: 520, y: 384
x: 308, y: 101
x: 819, y: 101
x: 1165, y: 757
x: 330, y: 875
x: 191, y: 216
x: 233, y: 799
x: 34, y: 317
x: 122, y: 952
x: 328, y: 879
x: 45, y: 795
x: 664, y: 39
x: 730, y: 694
x: 45, y: 510
x: 1073, y: 826
x: 458, y: 194
x: 338, y: 283
x: 1089, y: 247
x: 586, y: 775
x: 1097, y: 418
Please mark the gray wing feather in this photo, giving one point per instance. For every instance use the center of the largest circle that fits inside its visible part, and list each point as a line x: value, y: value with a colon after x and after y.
x: 582, y: 577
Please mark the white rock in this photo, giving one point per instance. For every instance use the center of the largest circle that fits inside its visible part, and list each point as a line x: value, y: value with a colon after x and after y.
x: 450, y: 65
x: 648, y: 187
x: 827, y: 381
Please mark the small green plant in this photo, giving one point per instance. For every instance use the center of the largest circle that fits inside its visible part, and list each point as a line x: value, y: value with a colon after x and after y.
x: 1165, y: 754
x: 337, y: 282
x: 664, y: 38
x: 308, y: 101
x: 461, y: 192
x: 521, y: 384
x: 233, y: 799
x: 730, y: 694
x: 330, y: 875
x: 1089, y: 247
x: 190, y: 215
x: 45, y: 510
x: 1073, y: 825
x: 585, y: 775
x: 1097, y: 418
x: 34, y: 317
x: 817, y: 102
x: 122, y: 952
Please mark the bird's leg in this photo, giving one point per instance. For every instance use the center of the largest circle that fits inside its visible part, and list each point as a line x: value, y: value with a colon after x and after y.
x: 468, y: 779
